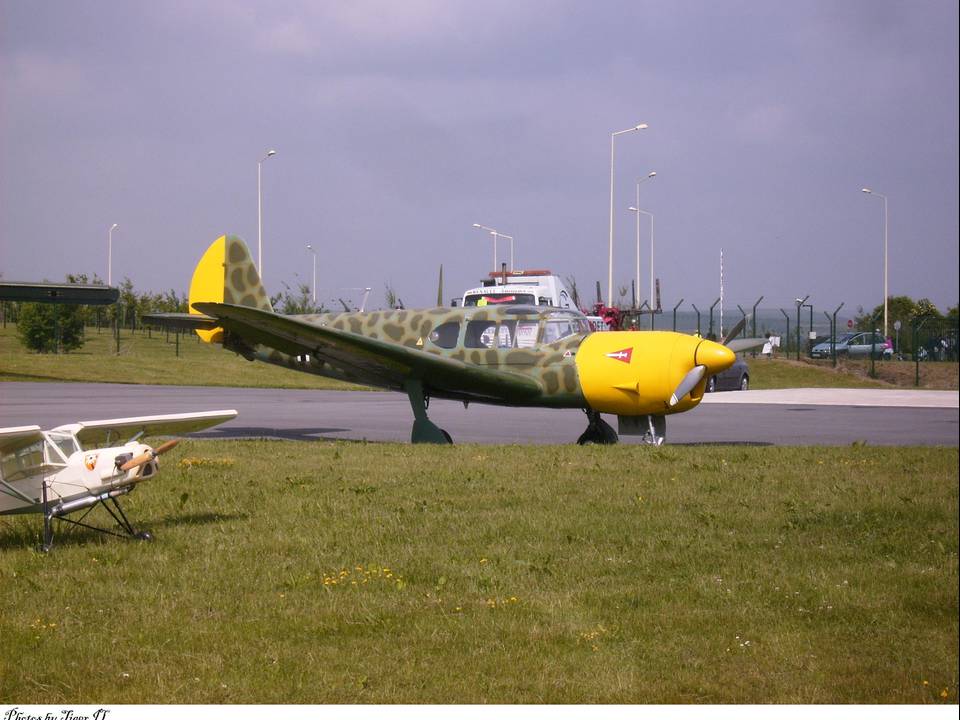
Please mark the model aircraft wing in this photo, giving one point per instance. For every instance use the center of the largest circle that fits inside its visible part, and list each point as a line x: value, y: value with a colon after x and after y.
x: 390, y: 363
x: 15, y: 438
x: 118, y: 430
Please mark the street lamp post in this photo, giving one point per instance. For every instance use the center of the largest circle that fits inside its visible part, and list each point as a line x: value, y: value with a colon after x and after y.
x: 868, y: 191
x: 314, y: 252
x: 270, y: 153
x: 494, y: 234
x: 110, y: 254
x: 641, y: 126
x: 638, y: 211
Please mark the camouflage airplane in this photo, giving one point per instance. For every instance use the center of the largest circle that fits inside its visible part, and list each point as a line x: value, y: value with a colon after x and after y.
x: 503, y: 355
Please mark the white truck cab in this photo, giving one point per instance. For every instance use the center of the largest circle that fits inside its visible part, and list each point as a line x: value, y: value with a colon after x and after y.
x: 520, y: 287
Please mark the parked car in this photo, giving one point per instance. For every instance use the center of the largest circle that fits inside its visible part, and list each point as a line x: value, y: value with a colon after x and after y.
x: 855, y: 345
x: 735, y: 377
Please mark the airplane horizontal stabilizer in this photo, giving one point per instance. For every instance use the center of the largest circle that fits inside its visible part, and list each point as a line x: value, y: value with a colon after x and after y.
x: 179, y: 321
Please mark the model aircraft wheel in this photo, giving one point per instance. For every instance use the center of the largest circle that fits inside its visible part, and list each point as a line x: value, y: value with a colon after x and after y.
x: 447, y: 436
x: 144, y: 535
x: 712, y: 385
x: 744, y: 383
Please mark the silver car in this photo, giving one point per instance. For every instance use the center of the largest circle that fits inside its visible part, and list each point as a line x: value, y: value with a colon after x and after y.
x: 855, y: 345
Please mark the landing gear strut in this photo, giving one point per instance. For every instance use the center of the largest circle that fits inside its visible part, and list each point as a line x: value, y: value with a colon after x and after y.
x: 657, y: 431
x: 424, y: 431
x: 598, y: 431
x: 109, y: 502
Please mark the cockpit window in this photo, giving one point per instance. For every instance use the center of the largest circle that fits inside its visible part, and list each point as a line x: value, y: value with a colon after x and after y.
x: 479, y: 334
x: 518, y: 333
x: 558, y: 328
x: 446, y: 335
x: 65, y: 441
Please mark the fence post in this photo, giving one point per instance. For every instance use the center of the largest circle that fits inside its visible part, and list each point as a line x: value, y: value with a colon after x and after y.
x: 675, y: 314
x: 786, y: 350
x: 799, y: 305
x: 698, y: 318
x: 710, y: 332
x: 754, y: 333
x: 833, y: 335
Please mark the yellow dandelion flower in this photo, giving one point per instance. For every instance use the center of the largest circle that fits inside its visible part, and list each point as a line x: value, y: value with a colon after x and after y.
x: 944, y: 694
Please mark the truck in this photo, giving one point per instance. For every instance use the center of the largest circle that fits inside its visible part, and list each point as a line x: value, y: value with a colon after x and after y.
x: 526, y: 287
x: 520, y: 287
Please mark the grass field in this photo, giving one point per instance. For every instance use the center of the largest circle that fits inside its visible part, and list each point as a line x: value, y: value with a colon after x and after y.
x: 148, y: 359
x: 152, y: 360
x: 352, y: 573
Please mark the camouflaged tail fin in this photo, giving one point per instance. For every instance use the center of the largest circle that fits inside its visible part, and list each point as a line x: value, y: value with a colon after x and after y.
x: 226, y: 273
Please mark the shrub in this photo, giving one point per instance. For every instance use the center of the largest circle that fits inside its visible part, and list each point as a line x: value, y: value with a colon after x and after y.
x: 41, y: 323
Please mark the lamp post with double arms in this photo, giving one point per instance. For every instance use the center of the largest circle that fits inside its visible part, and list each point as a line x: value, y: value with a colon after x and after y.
x: 495, y: 234
x: 613, y: 136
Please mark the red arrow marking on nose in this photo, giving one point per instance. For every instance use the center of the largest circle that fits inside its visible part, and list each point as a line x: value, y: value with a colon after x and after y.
x: 622, y: 355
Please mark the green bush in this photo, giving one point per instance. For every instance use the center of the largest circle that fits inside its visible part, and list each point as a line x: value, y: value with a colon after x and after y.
x: 41, y: 325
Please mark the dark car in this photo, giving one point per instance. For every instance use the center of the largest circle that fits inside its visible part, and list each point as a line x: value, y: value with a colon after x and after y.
x: 735, y: 377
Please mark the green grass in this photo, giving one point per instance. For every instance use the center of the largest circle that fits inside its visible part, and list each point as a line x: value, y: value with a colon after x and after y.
x: 149, y: 359
x: 784, y: 373
x: 340, y: 572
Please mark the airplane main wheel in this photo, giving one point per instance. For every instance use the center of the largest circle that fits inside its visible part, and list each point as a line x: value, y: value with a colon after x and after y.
x: 144, y: 535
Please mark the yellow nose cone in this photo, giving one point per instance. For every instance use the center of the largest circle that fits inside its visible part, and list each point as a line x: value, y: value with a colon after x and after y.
x: 714, y: 356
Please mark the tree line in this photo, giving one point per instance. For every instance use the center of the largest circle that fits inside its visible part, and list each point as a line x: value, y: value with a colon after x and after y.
x: 45, y: 327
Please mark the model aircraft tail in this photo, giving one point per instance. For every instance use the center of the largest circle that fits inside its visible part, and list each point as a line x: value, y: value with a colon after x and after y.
x: 227, y: 274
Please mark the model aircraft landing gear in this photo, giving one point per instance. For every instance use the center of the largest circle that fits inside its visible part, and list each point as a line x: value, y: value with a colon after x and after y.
x: 110, y: 504
x: 657, y: 432
x: 424, y: 430
x: 598, y: 431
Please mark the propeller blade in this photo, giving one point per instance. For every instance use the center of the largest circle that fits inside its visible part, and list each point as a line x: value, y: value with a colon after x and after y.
x: 737, y: 329
x: 741, y: 344
x: 688, y: 383
x: 148, y: 455
x: 168, y: 445
x: 136, y: 462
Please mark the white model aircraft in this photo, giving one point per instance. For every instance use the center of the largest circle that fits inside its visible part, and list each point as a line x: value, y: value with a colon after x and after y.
x: 84, y: 464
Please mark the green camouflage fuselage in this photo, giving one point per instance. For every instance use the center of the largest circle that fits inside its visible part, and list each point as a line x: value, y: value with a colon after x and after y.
x: 552, y: 365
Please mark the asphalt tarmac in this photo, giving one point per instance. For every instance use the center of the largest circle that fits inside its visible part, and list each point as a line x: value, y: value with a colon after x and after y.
x: 755, y: 417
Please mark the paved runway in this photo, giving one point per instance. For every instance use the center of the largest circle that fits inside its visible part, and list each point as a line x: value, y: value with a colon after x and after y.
x: 756, y: 417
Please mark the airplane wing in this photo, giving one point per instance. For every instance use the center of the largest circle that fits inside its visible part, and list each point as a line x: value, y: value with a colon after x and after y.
x: 15, y: 438
x: 92, y: 433
x: 180, y: 321
x: 388, y: 362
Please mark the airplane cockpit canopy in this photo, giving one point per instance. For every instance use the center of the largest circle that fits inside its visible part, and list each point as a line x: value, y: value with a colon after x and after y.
x: 513, y: 327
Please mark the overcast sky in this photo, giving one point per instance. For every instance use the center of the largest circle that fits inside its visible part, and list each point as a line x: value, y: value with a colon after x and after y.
x: 398, y: 125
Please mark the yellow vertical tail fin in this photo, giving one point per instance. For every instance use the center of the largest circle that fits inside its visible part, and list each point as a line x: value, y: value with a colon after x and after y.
x: 226, y: 274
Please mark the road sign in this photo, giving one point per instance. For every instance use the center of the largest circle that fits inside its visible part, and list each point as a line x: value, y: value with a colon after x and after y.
x: 850, y: 324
